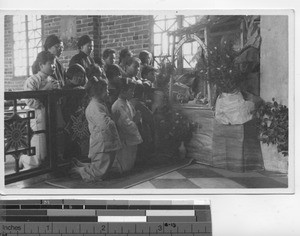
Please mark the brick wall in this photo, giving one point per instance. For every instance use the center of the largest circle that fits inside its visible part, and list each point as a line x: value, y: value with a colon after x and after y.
x: 125, y: 31
x: 110, y: 31
x: 84, y: 25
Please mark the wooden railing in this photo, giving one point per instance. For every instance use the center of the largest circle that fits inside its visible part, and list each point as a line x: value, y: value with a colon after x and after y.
x: 66, y: 132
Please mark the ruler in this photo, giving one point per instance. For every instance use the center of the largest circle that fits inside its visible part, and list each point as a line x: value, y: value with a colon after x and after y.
x: 104, y: 217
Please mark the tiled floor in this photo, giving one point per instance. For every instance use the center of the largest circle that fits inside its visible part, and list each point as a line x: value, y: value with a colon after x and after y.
x: 201, y: 176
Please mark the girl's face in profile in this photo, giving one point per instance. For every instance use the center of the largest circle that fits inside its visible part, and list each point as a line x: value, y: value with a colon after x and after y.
x: 48, y: 68
x: 88, y: 48
x: 111, y: 59
x: 104, y: 94
x: 129, y: 93
x: 133, y: 69
x: 57, y: 49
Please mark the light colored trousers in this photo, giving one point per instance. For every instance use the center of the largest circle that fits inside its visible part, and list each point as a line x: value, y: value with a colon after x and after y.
x: 125, y: 158
x: 99, y: 166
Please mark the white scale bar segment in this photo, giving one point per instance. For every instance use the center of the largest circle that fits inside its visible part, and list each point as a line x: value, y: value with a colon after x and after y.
x: 170, y: 213
x: 122, y: 219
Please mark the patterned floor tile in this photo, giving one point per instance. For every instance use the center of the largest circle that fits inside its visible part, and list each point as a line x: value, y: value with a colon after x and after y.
x: 172, y: 175
x: 283, y: 180
x: 199, y: 173
x: 197, y: 166
x: 172, y: 183
x: 215, y: 183
x: 259, y: 182
x: 227, y: 173
x: 272, y: 174
x: 145, y: 185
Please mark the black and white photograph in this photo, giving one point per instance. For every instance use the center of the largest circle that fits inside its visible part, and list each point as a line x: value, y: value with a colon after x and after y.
x: 180, y: 101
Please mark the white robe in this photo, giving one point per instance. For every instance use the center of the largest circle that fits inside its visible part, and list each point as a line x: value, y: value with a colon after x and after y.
x: 129, y: 134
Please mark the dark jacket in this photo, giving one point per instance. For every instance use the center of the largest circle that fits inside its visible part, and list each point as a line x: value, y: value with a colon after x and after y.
x: 83, y: 59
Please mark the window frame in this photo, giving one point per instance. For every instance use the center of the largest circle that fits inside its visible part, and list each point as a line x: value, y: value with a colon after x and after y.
x: 28, y: 66
x: 179, y: 63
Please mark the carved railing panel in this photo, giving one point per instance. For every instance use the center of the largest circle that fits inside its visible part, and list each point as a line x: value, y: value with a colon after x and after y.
x: 31, y: 151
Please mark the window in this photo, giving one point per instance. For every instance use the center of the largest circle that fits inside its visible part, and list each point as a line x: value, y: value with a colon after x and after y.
x: 27, y: 36
x: 163, y: 43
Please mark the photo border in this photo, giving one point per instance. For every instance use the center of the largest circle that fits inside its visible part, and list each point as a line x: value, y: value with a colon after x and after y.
x: 291, y: 95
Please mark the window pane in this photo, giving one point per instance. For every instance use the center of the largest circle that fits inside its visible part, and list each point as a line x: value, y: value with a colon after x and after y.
x: 170, y: 48
x: 159, y: 26
x: 171, y: 17
x: 165, y: 43
x: 186, y: 49
x: 189, y: 21
x: 171, y: 25
x: 157, y: 50
x: 157, y: 38
x: 26, y: 45
x: 159, y: 17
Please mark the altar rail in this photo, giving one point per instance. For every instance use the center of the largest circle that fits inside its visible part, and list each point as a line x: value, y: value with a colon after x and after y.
x: 65, y: 140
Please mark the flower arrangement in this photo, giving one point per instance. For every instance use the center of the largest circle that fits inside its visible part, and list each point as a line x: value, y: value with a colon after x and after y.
x: 173, y: 127
x: 273, y: 124
x: 163, y: 78
x: 220, y: 69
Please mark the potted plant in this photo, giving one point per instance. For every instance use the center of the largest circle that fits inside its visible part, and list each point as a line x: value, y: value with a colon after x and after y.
x: 173, y: 130
x: 222, y: 72
x: 273, y: 126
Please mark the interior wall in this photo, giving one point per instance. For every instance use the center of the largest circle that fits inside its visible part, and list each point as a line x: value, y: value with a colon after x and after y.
x: 274, y: 64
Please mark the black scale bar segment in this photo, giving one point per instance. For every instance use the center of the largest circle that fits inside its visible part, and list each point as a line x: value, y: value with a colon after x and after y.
x: 139, y: 207
x: 24, y: 212
x: 95, y: 207
x: 73, y: 207
x: 10, y: 207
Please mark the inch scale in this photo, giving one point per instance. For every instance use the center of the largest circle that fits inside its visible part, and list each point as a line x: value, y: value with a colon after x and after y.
x: 104, y: 218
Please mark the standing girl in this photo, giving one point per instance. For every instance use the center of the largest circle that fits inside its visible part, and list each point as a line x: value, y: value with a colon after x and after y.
x: 84, y: 57
x: 126, y: 119
x: 104, y: 138
x: 42, y: 80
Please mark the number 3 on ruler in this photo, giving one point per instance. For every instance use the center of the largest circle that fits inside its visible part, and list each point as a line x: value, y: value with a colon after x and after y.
x: 159, y: 228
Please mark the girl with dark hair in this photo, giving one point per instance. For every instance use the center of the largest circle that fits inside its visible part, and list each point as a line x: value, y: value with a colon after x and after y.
x: 133, y: 67
x: 85, y: 46
x: 55, y: 46
x: 126, y: 119
x: 113, y: 75
x: 145, y: 57
x: 109, y: 57
x: 146, y: 60
x: 124, y: 56
x: 42, y: 80
x: 76, y: 75
x: 146, y: 126
x: 104, y: 138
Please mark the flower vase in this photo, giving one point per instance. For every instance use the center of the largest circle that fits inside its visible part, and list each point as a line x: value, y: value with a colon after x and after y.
x: 273, y: 160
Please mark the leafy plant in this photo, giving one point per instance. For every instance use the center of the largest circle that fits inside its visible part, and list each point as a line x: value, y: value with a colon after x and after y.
x: 163, y: 78
x: 220, y: 69
x: 273, y: 124
x: 173, y: 127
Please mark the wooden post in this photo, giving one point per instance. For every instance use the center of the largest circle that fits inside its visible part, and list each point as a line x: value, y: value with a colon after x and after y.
x: 208, y: 88
x: 173, y: 65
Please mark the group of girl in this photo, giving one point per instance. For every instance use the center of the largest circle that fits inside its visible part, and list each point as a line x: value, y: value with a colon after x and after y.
x: 119, y: 120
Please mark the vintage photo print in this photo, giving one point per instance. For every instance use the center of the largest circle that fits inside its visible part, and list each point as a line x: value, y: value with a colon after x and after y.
x: 181, y: 102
